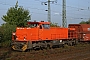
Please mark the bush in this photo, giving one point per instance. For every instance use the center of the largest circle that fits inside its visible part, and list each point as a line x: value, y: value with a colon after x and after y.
x: 6, y: 43
x: 6, y: 32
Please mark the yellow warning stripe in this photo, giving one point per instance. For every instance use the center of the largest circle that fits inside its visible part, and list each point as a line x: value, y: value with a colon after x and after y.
x: 13, y: 47
x: 24, y: 47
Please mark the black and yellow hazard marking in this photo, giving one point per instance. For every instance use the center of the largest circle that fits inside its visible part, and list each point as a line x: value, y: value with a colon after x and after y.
x: 24, y: 47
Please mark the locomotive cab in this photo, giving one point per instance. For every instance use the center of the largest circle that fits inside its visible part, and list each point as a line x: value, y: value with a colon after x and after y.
x: 31, y: 26
x: 40, y: 25
x: 28, y: 35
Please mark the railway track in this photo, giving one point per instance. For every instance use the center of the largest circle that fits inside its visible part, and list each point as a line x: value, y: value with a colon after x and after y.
x: 78, y: 52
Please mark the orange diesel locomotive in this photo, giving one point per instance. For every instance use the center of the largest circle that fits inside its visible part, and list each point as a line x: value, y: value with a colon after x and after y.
x: 38, y: 35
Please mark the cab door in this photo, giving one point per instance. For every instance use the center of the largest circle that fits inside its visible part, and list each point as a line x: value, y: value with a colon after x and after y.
x: 40, y: 32
x: 44, y: 32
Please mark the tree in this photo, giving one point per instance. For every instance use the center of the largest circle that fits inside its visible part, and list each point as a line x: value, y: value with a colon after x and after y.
x: 7, y: 30
x: 85, y: 22
x: 54, y: 25
x: 82, y: 22
x: 16, y: 16
x: 88, y: 22
x: 6, y: 34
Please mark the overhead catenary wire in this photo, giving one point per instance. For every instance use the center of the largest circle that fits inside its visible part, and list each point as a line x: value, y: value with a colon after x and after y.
x: 78, y: 9
x: 44, y: 9
x: 74, y: 7
x: 69, y: 6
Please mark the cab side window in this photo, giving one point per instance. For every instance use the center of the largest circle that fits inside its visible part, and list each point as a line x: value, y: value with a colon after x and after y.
x: 46, y: 26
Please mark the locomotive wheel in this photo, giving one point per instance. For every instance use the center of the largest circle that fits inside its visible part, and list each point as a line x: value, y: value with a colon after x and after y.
x: 49, y: 46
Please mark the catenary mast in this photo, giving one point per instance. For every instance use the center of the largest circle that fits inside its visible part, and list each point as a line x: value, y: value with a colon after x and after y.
x: 49, y: 10
x: 64, y: 22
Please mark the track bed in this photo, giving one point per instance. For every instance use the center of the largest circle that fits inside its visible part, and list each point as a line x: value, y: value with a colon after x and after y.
x: 78, y: 52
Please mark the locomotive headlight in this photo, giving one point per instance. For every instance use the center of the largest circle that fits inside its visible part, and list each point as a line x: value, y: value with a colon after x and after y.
x: 13, y: 33
x: 24, y: 39
x: 60, y: 40
x: 16, y: 38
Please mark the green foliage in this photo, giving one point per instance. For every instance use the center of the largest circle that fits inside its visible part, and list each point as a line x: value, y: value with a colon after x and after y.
x: 82, y: 22
x: 16, y: 16
x: 1, y: 36
x: 54, y: 25
x: 6, y: 34
x: 85, y: 22
x: 5, y: 43
x: 6, y: 31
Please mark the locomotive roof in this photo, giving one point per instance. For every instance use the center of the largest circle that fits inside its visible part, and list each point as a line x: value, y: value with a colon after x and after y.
x: 42, y: 22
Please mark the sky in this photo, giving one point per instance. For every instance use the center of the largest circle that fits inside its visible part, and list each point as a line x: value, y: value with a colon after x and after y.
x: 76, y: 10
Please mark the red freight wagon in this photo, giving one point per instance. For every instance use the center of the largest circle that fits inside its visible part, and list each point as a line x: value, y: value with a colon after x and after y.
x: 81, y: 32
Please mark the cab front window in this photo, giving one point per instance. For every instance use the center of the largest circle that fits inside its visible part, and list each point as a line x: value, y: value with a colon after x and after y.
x: 46, y: 26
x: 33, y: 25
